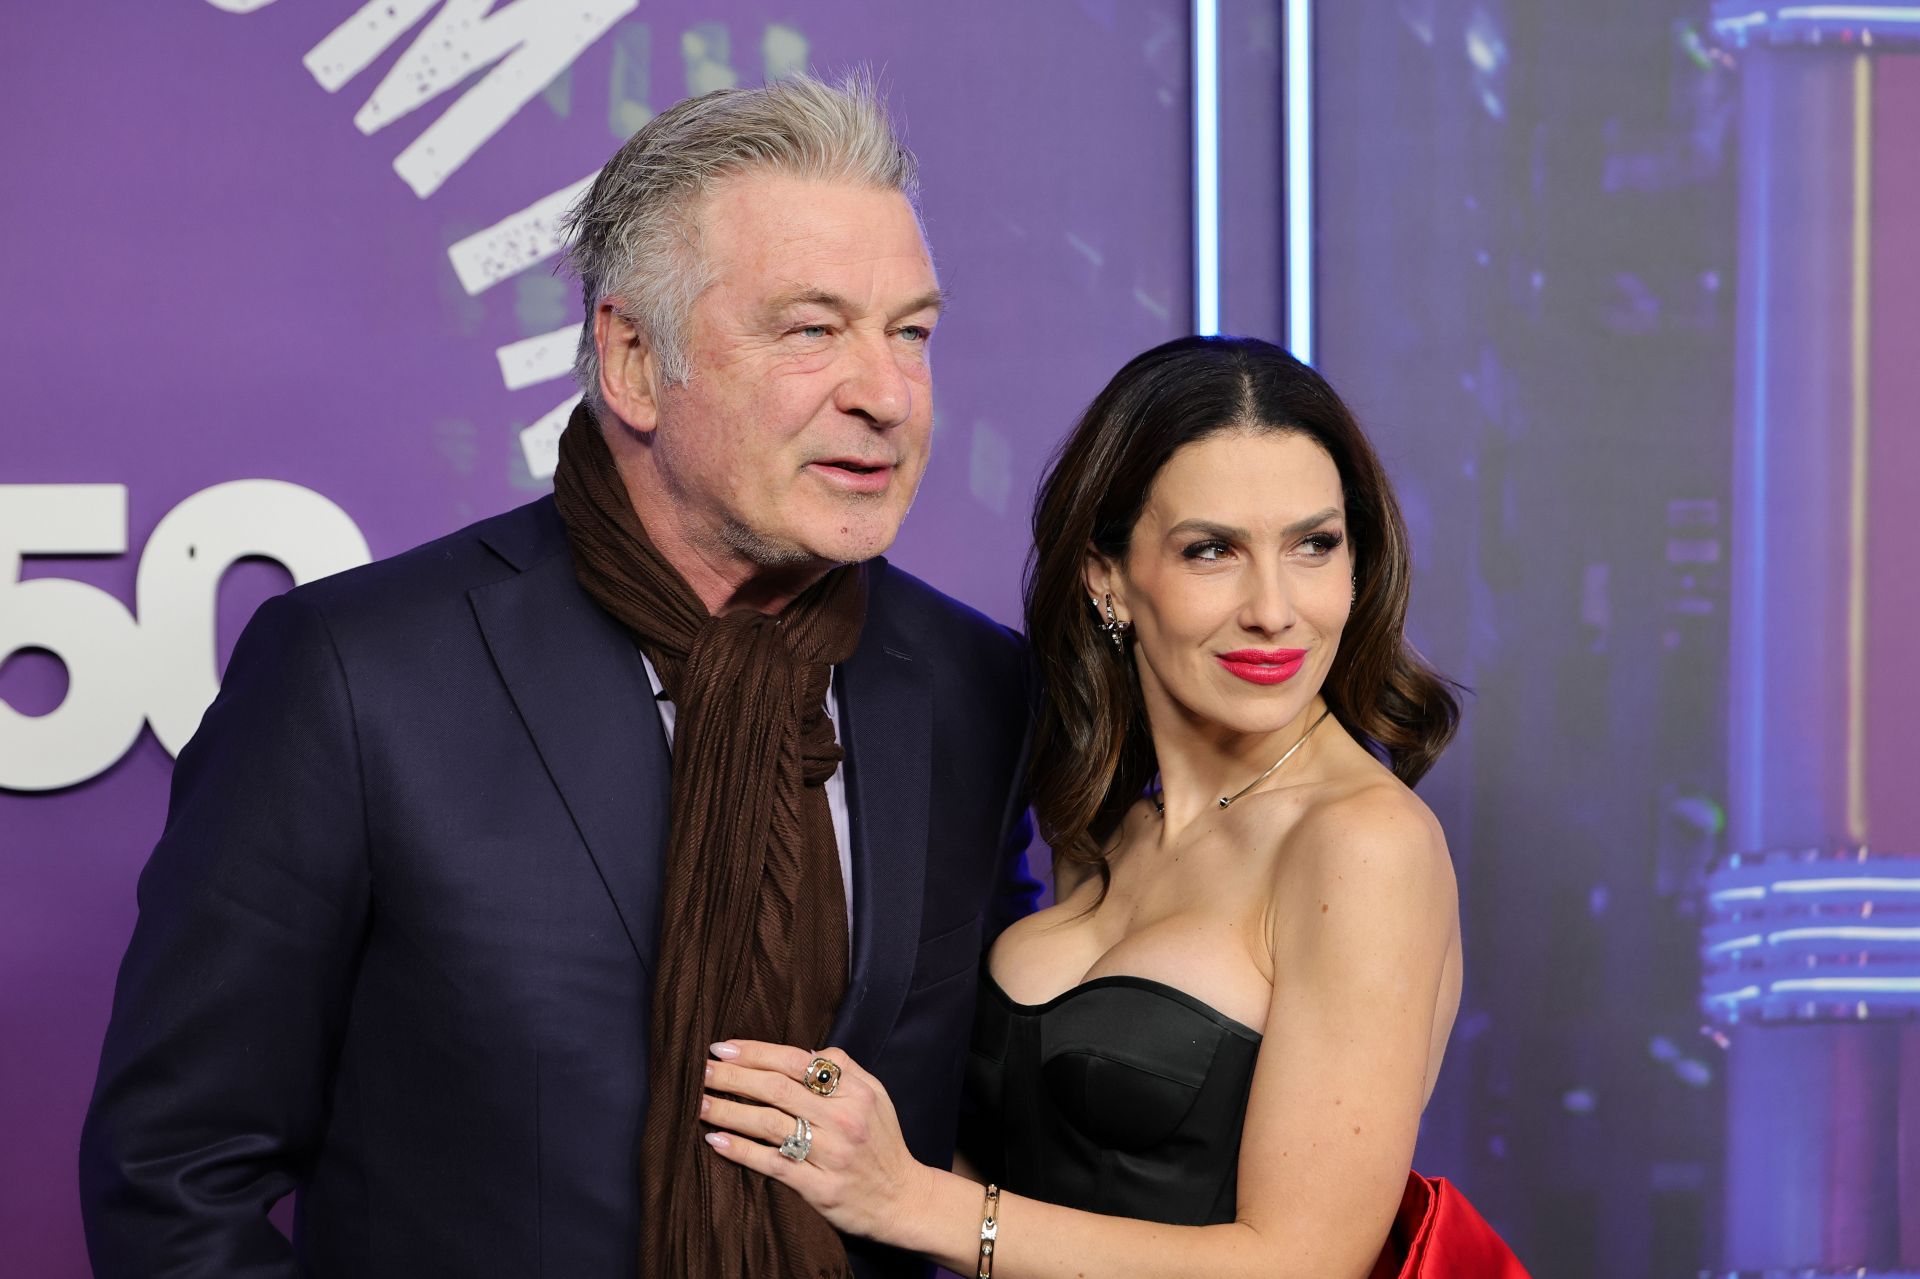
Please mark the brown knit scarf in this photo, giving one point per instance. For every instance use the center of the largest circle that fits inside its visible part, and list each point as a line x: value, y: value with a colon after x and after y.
x: 753, y: 943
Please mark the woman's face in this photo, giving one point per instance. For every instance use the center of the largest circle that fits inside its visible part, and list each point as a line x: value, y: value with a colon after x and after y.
x: 1238, y: 580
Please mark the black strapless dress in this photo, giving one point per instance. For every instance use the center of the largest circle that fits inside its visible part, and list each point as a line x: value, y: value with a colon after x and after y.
x: 1122, y: 1096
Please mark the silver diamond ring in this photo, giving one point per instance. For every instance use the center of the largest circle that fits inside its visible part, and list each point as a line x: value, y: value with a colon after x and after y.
x: 799, y: 1142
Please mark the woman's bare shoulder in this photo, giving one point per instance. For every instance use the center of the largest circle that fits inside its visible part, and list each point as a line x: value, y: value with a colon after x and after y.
x: 1371, y: 841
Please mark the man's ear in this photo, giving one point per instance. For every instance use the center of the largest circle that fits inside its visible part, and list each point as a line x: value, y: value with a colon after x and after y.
x: 629, y: 372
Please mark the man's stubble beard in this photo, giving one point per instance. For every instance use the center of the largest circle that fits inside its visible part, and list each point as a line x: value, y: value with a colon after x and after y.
x: 760, y: 551
x: 764, y: 552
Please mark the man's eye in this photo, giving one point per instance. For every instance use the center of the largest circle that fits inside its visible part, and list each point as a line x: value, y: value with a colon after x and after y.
x: 810, y: 331
x: 915, y: 333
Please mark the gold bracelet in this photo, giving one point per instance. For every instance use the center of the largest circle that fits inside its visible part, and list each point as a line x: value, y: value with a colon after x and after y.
x: 989, y: 1231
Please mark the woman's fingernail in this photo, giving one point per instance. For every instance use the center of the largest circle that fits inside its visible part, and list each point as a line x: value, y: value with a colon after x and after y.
x: 706, y: 1104
x: 708, y: 1069
x: 717, y: 1141
x: 724, y: 1051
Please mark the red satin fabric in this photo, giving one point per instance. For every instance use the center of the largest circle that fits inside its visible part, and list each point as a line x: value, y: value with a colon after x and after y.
x: 1438, y: 1235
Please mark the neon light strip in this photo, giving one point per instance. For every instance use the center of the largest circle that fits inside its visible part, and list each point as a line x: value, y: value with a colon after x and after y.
x: 1848, y: 13
x: 1736, y: 895
x: 1739, y: 943
x: 1206, y: 167
x: 1299, y: 231
x: 1857, y: 532
x: 1851, y: 985
x: 1742, y: 22
x: 1735, y: 996
x: 1750, y: 786
x: 1858, y: 884
x: 1848, y: 932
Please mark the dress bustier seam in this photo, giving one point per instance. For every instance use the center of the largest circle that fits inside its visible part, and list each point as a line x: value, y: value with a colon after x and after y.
x: 1123, y: 981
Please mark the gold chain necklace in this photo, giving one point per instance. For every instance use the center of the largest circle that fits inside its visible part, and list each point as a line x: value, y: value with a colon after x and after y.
x: 1226, y: 801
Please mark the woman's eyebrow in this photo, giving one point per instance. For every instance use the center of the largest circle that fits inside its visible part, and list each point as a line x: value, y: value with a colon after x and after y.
x: 1225, y: 532
x: 1231, y: 533
x: 1301, y: 526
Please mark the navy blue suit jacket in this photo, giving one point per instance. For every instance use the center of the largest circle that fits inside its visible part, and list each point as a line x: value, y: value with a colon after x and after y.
x: 396, y: 944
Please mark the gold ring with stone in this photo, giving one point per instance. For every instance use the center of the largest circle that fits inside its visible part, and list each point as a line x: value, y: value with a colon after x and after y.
x: 822, y: 1076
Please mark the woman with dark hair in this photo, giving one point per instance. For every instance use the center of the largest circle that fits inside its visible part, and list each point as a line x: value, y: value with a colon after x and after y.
x: 1210, y: 1055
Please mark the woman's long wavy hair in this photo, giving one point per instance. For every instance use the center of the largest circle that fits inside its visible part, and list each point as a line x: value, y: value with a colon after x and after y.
x: 1092, y: 755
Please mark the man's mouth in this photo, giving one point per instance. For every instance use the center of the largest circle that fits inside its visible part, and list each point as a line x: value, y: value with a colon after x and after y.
x: 857, y: 475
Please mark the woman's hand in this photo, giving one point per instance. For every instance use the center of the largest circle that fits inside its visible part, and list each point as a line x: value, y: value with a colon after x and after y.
x: 859, y: 1174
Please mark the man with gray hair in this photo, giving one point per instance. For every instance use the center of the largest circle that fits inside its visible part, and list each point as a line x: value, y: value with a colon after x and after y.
x: 482, y: 846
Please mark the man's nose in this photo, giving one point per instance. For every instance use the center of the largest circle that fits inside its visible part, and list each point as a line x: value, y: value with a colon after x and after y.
x: 875, y: 386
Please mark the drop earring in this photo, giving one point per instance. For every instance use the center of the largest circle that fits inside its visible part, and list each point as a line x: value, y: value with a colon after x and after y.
x: 1115, y: 628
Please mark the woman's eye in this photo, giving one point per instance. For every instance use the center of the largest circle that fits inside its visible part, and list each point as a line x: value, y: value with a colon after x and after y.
x: 1208, y: 552
x: 1321, y: 545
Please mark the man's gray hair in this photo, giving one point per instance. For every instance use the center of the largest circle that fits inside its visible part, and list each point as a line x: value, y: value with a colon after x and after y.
x: 635, y: 237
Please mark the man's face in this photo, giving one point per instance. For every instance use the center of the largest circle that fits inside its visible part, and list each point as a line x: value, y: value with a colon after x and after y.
x: 803, y: 433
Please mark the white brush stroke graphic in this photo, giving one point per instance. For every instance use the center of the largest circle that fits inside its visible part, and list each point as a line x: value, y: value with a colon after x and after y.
x: 540, y: 443
x: 353, y: 46
x: 516, y: 242
x: 532, y: 41
x: 538, y: 359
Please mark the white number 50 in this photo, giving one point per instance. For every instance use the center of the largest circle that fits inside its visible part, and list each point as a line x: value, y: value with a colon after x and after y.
x: 160, y: 669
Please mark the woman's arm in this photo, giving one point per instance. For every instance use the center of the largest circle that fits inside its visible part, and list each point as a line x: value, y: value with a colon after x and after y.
x: 1364, y: 919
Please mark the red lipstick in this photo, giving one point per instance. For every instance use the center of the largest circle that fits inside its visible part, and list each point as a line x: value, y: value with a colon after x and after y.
x: 1264, y: 666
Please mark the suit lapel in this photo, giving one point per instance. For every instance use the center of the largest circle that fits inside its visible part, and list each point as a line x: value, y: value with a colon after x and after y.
x: 577, y: 680
x: 579, y: 685
x: 886, y: 701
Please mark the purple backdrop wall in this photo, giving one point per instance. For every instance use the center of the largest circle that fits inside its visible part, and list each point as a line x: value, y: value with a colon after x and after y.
x: 1538, y: 258
x: 211, y: 275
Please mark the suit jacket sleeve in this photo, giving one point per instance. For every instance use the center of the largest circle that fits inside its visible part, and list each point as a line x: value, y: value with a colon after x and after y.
x: 1016, y: 891
x: 211, y: 1096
